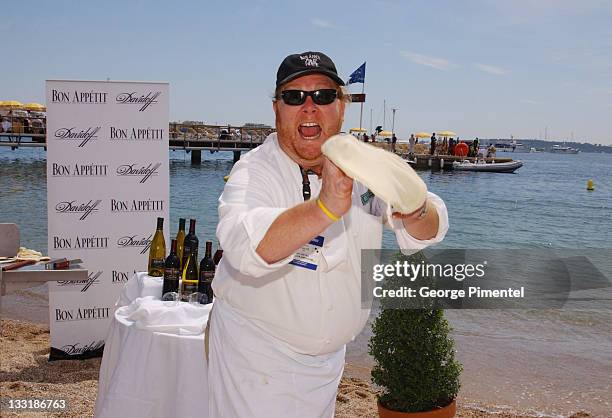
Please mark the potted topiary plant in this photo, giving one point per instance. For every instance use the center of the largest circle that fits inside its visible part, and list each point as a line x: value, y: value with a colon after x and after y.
x: 415, y: 360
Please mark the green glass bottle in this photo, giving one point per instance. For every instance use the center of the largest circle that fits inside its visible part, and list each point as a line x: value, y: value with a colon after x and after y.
x: 207, y: 274
x: 190, y: 275
x: 172, y: 271
x: 191, y: 243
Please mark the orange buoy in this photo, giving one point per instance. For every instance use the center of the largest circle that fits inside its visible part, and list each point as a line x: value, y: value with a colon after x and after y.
x: 461, y: 149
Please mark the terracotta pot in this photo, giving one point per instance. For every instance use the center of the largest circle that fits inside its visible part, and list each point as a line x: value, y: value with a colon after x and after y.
x: 447, y: 412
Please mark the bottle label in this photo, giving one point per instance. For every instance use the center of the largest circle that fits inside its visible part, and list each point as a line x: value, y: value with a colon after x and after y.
x: 158, y: 264
x: 157, y: 267
x: 189, y: 287
x: 207, y: 275
x: 171, y: 280
x: 171, y: 273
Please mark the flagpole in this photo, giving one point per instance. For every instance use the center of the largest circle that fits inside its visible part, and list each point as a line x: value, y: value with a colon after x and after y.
x: 361, y: 110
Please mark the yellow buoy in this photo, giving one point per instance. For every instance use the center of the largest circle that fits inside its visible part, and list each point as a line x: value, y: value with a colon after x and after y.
x: 225, y: 178
x: 590, y: 185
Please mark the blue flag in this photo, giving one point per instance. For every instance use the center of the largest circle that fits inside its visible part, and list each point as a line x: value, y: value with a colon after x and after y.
x: 358, y: 75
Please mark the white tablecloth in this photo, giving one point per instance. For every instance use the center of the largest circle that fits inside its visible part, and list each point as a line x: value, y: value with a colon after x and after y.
x: 148, y: 373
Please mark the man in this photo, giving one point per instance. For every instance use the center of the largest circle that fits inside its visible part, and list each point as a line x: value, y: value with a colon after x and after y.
x: 411, y: 143
x: 432, y: 144
x: 393, y: 142
x: 281, y: 319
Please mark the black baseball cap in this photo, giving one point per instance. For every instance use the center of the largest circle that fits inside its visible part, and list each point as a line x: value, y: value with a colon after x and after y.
x: 310, y: 62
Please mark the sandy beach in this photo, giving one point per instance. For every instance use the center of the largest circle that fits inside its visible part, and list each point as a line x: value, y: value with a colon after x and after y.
x: 25, y: 372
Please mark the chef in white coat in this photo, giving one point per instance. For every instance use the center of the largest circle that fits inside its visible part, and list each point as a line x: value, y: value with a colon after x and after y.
x: 292, y: 227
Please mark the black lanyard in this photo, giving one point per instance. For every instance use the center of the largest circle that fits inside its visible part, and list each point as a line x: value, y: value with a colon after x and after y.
x: 305, y: 184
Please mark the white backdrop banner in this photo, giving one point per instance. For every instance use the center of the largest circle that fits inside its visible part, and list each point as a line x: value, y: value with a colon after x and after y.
x: 107, y: 182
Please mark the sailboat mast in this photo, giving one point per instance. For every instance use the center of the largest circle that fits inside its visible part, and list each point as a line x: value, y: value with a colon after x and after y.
x: 384, y: 114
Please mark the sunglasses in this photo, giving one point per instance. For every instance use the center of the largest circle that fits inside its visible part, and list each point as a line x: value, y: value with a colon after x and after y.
x: 319, y: 97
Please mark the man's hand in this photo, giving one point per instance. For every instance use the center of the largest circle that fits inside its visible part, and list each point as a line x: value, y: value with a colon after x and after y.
x: 336, y: 189
x: 413, y: 216
x: 423, y: 223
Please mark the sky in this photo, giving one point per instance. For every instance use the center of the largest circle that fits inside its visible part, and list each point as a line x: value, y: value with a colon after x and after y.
x: 487, y: 68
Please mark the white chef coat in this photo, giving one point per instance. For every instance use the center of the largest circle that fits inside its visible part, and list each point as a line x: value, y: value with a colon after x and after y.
x: 311, y: 312
x: 253, y: 375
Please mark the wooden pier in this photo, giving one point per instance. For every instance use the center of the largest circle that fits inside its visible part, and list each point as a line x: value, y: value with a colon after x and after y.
x: 194, y: 138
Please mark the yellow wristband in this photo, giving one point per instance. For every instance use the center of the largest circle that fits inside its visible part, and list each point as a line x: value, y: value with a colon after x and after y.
x: 327, y: 211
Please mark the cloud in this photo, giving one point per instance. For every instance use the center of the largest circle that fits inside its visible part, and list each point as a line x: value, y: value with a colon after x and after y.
x: 529, y: 101
x: 491, y: 69
x: 322, y: 23
x: 434, y: 62
x: 529, y: 12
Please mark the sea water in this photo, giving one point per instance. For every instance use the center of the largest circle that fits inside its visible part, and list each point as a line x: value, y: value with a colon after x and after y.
x: 549, y: 361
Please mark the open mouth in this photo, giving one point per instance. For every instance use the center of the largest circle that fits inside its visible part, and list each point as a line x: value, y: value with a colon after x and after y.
x: 310, y: 130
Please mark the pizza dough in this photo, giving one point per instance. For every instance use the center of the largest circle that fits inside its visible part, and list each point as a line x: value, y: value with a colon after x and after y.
x: 387, y: 175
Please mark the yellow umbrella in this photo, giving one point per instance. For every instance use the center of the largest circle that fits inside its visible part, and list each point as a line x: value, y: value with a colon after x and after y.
x: 11, y: 104
x: 358, y: 130
x: 447, y: 133
x: 422, y: 135
x: 385, y: 133
x: 35, y: 106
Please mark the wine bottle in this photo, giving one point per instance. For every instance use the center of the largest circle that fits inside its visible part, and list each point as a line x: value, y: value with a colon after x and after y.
x: 207, y: 273
x: 191, y: 242
x: 218, y: 254
x: 172, y: 270
x: 157, y: 252
x: 190, y: 275
x: 180, y: 241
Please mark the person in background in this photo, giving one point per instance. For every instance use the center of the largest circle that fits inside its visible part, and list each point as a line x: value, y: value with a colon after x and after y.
x: 444, y: 147
x: 491, y: 151
x: 411, y: 143
x: 471, y: 150
x: 451, y: 146
x: 393, y: 142
x: 373, y: 138
x: 6, y: 125
x: 432, y: 145
x: 292, y: 226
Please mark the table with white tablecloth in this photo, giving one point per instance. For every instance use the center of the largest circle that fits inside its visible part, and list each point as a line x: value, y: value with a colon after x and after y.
x: 154, y: 363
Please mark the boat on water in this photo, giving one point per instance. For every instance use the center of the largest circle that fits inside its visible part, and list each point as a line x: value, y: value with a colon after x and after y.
x: 560, y: 149
x: 508, y: 145
x: 506, y: 167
